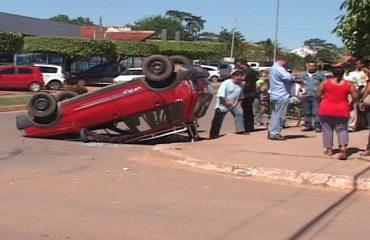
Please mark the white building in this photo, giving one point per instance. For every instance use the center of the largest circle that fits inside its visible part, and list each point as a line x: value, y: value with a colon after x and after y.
x: 303, y: 51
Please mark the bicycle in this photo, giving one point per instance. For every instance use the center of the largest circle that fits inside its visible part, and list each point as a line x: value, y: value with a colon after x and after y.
x: 293, y: 116
x: 294, y: 113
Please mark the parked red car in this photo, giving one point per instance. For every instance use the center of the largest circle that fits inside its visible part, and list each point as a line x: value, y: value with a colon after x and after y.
x: 21, y: 77
x: 169, y: 99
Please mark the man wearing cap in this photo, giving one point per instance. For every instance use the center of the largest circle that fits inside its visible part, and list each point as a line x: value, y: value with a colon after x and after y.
x: 229, y: 98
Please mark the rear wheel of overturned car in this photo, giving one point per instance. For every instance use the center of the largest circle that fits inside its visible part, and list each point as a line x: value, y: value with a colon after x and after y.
x: 157, y: 68
x: 65, y: 95
x: 41, y: 104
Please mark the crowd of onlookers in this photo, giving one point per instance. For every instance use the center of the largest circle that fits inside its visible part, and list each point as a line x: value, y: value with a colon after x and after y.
x: 329, y: 105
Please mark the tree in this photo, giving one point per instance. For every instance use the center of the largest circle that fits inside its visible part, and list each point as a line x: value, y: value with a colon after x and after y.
x: 295, y: 61
x: 226, y: 37
x: 325, y: 55
x: 269, y: 48
x: 317, y: 44
x: 158, y: 23
x: 192, y: 24
x: 77, y: 21
x: 10, y: 42
x: 353, y: 26
x: 208, y: 37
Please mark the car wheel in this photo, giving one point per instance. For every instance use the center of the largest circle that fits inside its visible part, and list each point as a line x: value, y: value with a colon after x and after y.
x: 178, y: 59
x: 35, y: 87
x: 213, y: 79
x: 65, y: 95
x: 157, y: 68
x: 54, y: 85
x: 41, y: 104
x: 81, y: 82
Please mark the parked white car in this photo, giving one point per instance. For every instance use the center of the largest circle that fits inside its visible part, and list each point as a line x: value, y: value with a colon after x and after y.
x: 214, y: 73
x: 53, y: 75
x: 129, y: 74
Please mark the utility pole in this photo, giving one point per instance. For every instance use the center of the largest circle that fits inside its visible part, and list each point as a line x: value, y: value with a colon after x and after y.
x: 232, y: 42
x: 276, y: 28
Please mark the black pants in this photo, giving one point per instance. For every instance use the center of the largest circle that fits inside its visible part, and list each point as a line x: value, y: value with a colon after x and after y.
x: 247, y: 105
x: 218, y: 118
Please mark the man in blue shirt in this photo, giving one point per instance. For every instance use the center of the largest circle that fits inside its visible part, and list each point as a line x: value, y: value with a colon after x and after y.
x: 280, y: 86
x: 229, y: 98
x: 310, y: 82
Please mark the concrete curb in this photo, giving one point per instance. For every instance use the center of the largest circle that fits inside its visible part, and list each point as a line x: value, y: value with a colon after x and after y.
x: 318, y: 179
x: 12, y: 108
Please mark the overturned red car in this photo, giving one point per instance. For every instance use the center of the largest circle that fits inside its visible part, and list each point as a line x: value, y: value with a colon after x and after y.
x: 170, y: 99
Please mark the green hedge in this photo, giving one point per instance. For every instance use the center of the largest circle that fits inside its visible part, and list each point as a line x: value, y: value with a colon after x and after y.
x: 83, y: 47
x: 10, y: 42
x: 190, y: 49
x: 76, y: 47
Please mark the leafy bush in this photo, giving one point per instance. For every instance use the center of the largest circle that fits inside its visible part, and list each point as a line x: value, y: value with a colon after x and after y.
x: 76, y: 88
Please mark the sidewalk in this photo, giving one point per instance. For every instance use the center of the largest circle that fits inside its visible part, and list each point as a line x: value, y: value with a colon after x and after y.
x: 299, y: 159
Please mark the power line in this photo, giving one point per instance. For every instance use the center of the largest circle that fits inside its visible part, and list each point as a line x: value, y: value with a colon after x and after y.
x: 288, y: 28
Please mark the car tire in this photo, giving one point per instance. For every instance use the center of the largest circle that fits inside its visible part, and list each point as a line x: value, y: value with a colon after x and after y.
x: 65, y: 95
x: 54, y: 85
x: 213, y: 79
x: 81, y: 82
x: 35, y: 87
x: 157, y: 68
x: 41, y: 104
x: 179, y: 59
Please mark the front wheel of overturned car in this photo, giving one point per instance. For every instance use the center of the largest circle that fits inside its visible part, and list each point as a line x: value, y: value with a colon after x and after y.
x: 65, y: 95
x: 157, y: 68
x: 41, y: 105
x: 179, y: 59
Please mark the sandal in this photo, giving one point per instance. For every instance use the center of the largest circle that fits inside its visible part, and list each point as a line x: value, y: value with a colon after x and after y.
x: 342, y: 155
x: 366, y: 153
x: 328, y: 152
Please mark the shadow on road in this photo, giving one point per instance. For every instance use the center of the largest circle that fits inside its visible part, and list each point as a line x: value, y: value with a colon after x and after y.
x: 319, y: 218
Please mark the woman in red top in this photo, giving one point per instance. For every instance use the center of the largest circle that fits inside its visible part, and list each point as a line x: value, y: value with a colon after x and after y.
x: 332, y: 95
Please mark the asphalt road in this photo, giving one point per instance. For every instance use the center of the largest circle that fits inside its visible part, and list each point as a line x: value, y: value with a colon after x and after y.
x: 55, y: 189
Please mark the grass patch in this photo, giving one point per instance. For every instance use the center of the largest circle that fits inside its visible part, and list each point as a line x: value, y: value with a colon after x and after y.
x: 9, y: 101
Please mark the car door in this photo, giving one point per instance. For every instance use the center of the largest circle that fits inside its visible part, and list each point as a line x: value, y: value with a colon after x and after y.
x: 6, y: 78
x: 23, y: 77
x: 96, y: 74
x: 110, y: 72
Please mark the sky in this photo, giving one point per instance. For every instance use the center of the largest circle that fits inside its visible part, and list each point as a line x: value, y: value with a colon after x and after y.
x: 298, y: 20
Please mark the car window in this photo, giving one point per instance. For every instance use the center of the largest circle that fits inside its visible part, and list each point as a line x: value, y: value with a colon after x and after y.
x: 223, y: 66
x: 48, y: 69
x: 24, y: 71
x: 208, y: 69
x: 138, y: 72
x: 7, y: 71
x: 111, y: 68
x: 98, y: 69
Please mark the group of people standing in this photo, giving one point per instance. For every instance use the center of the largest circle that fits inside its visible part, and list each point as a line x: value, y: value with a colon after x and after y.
x: 327, y: 102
